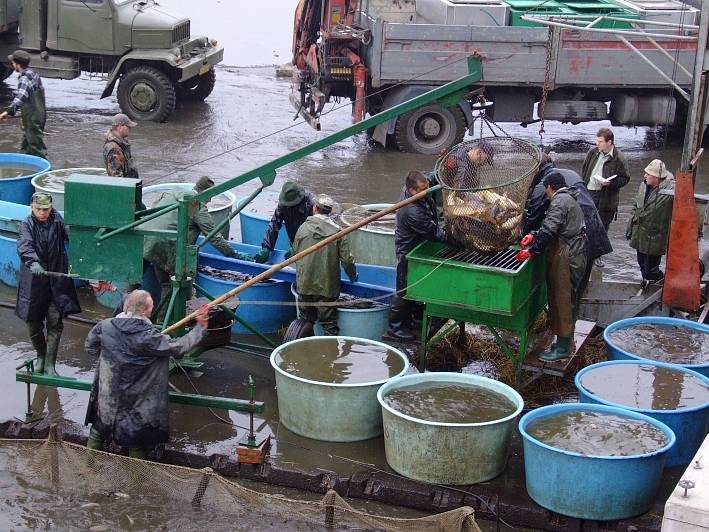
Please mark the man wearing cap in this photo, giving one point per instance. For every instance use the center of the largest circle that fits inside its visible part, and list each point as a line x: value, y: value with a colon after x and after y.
x: 415, y: 223
x: 318, y: 274
x: 649, y: 226
x: 161, y: 251
x: 117, y: 150
x: 44, y: 296
x: 604, y: 172
x: 563, y: 237
x: 460, y: 169
x: 30, y: 100
x: 294, y: 207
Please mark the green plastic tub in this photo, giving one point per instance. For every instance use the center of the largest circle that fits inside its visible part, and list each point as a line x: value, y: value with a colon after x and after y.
x: 447, y: 453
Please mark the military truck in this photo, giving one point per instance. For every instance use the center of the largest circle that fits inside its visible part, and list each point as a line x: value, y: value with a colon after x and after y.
x: 147, y: 51
x: 379, y: 53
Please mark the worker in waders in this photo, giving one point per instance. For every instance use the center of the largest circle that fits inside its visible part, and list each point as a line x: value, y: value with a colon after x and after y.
x: 44, y: 295
x: 562, y: 236
x: 128, y: 402
x: 295, y: 205
x: 317, y: 277
x: 30, y: 101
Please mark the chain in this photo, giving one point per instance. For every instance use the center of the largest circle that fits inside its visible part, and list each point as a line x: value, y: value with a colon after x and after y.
x: 545, y: 88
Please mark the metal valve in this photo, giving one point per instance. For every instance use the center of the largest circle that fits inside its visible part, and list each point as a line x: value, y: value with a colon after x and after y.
x: 687, y: 485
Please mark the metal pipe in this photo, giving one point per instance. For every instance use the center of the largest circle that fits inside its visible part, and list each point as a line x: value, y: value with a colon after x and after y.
x: 139, y: 222
x: 657, y: 69
x: 615, y: 32
x: 673, y: 25
x: 221, y: 224
x: 667, y: 54
x: 695, y: 122
x: 332, y: 238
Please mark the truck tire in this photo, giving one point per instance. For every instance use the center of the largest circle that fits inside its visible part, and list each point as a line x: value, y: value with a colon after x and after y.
x: 298, y: 329
x: 429, y: 129
x: 198, y: 88
x: 145, y: 93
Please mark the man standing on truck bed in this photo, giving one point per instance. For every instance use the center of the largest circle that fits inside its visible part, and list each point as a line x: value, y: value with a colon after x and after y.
x: 604, y: 173
x: 116, y: 149
x: 30, y: 100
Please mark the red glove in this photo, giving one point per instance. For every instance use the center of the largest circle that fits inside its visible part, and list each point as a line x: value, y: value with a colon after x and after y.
x: 523, y: 254
x: 527, y: 240
x: 202, y: 317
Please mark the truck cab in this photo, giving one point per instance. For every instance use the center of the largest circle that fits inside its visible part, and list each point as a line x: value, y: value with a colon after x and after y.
x: 136, y: 44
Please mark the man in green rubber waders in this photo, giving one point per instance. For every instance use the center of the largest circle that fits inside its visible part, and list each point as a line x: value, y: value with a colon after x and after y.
x: 30, y: 101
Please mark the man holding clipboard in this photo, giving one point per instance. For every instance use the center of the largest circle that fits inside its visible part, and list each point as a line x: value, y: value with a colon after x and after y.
x: 604, y: 173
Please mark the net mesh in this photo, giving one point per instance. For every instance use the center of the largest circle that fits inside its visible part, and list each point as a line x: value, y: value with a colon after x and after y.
x: 73, y: 470
x: 485, y: 183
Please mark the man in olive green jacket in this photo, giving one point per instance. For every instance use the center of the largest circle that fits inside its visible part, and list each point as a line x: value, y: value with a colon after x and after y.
x: 604, y: 173
x: 318, y: 274
x: 649, y: 227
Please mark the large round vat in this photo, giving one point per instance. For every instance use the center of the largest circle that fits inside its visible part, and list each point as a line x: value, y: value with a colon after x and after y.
x: 370, y: 323
x: 615, y: 352
x: 371, y: 244
x: 591, y: 487
x: 447, y: 453
x: 9, y: 260
x: 328, y: 411
x: 219, y: 206
x: 19, y: 189
x: 267, y: 317
x: 254, y: 225
x: 52, y: 182
x: 658, y: 383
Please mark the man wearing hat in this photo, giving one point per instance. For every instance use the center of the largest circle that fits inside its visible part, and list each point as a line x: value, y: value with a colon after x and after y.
x: 318, y: 274
x: 44, y: 296
x: 294, y: 207
x: 562, y: 236
x: 117, y: 150
x: 161, y: 251
x: 649, y: 226
x: 461, y: 168
x: 30, y: 100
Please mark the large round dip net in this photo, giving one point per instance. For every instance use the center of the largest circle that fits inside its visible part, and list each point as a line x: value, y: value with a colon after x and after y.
x: 485, y: 184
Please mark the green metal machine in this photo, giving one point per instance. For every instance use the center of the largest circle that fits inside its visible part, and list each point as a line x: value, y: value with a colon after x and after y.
x: 106, y: 236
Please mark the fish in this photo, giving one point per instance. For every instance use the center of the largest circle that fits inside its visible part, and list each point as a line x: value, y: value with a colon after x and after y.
x: 90, y: 505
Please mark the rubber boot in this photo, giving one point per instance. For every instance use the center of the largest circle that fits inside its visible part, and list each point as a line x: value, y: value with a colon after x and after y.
x: 94, y: 443
x: 560, y: 349
x: 39, y: 343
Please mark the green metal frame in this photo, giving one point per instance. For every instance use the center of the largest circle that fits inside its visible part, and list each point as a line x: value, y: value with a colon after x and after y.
x: 186, y: 253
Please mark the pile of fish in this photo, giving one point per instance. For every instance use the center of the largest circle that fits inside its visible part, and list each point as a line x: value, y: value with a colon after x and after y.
x: 483, y: 220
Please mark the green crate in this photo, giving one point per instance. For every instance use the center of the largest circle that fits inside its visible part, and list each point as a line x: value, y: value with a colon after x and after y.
x: 467, y: 286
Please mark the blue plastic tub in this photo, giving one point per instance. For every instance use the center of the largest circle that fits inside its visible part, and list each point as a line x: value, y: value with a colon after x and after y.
x: 616, y: 353
x: 689, y: 424
x: 9, y: 260
x: 253, y: 225
x: 591, y: 487
x: 20, y: 189
x: 368, y: 323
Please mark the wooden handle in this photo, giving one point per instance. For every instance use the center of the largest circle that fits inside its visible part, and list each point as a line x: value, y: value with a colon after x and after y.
x: 277, y: 267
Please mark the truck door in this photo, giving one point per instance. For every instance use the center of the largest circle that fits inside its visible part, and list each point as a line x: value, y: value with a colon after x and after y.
x: 85, y: 26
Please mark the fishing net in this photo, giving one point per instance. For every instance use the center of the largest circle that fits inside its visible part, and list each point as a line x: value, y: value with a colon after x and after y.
x: 357, y: 213
x: 485, y: 185
x: 72, y: 470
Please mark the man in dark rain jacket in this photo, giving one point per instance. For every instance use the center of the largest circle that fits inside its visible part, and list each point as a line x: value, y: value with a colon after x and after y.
x: 128, y: 403
x: 537, y: 204
x: 30, y: 100
x: 295, y: 205
x: 42, y: 295
x: 317, y: 277
x: 415, y: 223
x: 563, y: 237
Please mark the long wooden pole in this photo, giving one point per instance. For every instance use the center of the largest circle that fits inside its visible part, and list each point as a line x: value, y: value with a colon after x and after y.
x: 277, y: 267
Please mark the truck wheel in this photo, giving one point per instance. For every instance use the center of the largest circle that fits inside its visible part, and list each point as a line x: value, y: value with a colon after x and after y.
x: 145, y: 93
x: 429, y: 129
x: 198, y: 88
x: 298, y: 329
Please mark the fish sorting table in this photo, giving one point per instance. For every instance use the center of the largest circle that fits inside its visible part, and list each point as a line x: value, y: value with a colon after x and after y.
x: 494, y: 290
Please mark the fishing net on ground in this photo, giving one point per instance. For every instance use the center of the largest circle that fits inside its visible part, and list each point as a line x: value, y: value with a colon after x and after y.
x: 73, y: 470
x: 485, y: 185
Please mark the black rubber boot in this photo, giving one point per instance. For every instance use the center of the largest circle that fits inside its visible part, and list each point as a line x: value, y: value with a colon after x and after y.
x: 560, y: 349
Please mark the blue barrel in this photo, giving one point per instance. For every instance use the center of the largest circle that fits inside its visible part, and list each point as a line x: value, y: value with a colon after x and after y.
x: 10, y: 215
x: 689, y: 424
x: 266, y: 318
x: 616, y: 353
x: 253, y: 226
x: 368, y: 323
x: 20, y: 189
x: 591, y: 487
